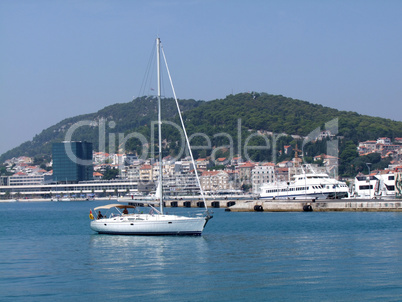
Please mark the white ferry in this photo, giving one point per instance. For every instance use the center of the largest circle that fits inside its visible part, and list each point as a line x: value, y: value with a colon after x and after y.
x: 306, y: 186
x: 375, y: 186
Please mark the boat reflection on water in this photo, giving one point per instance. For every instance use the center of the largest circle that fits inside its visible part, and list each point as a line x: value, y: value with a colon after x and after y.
x: 142, y: 259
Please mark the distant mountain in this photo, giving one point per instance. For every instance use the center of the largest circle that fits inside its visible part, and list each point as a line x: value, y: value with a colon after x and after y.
x: 256, y: 111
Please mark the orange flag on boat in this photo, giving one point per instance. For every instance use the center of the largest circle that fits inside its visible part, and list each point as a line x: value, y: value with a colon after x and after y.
x: 90, y: 215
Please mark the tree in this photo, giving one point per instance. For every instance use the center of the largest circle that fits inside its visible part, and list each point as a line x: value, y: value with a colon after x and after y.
x: 111, y: 174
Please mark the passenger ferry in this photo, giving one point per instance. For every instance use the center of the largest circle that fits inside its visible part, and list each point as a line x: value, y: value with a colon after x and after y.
x: 306, y: 186
x: 375, y: 186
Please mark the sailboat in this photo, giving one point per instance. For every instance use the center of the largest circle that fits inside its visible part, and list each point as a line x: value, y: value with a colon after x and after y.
x: 156, y: 222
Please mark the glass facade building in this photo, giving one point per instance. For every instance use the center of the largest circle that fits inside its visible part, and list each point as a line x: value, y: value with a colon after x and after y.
x: 72, y: 162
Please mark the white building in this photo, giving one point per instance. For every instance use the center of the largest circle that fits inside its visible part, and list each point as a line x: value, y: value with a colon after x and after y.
x: 215, y: 180
x: 264, y: 173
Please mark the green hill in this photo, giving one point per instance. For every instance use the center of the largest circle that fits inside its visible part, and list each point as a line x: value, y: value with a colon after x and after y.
x: 126, y: 117
x: 252, y: 111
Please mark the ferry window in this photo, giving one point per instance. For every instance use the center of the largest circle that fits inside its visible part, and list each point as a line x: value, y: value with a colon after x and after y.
x: 391, y: 177
x: 390, y: 188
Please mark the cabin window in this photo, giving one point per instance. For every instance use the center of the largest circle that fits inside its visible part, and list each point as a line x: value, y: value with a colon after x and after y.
x: 391, y: 177
x: 366, y: 187
x: 390, y: 188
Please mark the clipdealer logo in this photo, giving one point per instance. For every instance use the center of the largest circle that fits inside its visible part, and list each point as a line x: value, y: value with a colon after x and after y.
x: 270, y: 142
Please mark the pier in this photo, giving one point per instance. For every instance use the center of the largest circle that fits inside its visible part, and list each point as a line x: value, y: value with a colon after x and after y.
x: 243, y: 204
x: 309, y: 205
x: 287, y: 205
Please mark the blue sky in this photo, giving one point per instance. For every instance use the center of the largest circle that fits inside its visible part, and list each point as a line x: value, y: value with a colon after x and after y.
x: 64, y: 58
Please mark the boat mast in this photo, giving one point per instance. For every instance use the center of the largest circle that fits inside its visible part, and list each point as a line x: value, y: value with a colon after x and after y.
x: 159, y: 194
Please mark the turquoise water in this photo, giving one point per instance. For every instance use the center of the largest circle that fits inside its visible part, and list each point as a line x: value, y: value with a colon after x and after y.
x: 49, y: 253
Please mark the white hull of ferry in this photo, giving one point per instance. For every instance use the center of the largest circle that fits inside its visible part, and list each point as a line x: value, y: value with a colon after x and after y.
x: 312, y: 195
x: 148, y: 224
x: 311, y: 185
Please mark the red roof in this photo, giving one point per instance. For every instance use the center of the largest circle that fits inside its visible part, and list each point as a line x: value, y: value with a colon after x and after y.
x: 247, y: 165
x: 20, y: 174
x: 211, y: 173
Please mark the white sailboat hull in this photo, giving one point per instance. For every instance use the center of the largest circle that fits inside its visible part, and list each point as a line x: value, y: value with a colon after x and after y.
x: 147, y: 224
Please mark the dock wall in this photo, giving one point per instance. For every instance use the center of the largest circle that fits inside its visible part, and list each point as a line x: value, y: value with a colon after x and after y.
x: 346, y: 205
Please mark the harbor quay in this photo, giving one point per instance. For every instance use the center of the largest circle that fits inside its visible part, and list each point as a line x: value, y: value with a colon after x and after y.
x: 325, y: 205
x: 242, y: 204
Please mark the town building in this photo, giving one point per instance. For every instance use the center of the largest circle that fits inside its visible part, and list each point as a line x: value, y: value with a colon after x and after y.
x: 72, y: 162
x: 260, y: 174
x: 245, y: 173
x: 382, y: 145
x: 216, y: 180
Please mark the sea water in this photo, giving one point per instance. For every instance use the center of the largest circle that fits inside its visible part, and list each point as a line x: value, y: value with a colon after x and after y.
x: 49, y: 253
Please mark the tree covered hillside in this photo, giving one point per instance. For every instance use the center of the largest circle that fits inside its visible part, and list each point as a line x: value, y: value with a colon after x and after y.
x: 121, y: 117
x: 276, y: 113
x: 235, y: 120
